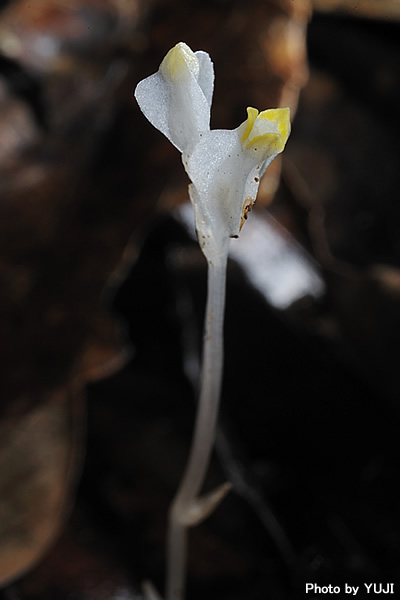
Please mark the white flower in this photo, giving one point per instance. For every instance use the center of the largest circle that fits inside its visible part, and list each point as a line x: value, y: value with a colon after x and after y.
x: 225, y: 166
x: 177, y: 99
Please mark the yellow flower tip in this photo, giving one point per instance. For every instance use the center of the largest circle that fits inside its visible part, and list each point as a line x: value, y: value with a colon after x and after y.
x: 270, y: 136
x: 179, y: 61
x: 281, y: 118
x: 252, y: 114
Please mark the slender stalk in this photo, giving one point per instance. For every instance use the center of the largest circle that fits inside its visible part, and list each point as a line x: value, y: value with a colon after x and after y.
x: 204, y: 432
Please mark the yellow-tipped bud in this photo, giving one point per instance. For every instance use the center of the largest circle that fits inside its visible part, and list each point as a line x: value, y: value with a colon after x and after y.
x: 179, y: 62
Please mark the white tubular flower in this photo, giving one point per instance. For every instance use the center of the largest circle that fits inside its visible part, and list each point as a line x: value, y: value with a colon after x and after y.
x: 177, y: 99
x: 224, y: 166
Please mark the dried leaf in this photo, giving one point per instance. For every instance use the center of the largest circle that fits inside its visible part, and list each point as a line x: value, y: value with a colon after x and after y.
x: 39, y: 455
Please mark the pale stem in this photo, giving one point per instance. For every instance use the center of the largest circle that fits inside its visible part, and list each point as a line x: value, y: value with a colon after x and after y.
x: 204, y: 432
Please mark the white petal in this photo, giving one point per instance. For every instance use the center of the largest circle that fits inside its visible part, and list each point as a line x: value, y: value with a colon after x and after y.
x: 225, y: 182
x: 188, y: 114
x: 179, y: 107
x: 152, y: 95
x: 206, y: 75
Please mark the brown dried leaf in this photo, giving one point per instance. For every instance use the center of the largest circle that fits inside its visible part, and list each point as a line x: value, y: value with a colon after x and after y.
x: 38, y: 464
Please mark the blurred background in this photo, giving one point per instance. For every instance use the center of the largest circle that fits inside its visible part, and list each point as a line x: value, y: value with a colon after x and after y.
x: 103, y: 290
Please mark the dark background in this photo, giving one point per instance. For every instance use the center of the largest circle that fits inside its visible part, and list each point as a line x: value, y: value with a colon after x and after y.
x: 104, y: 289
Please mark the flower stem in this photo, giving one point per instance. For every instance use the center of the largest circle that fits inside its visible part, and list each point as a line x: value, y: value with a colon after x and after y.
x: 204, y: 432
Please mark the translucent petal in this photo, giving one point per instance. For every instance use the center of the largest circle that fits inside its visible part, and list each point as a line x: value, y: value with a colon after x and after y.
x: 152, y: 95
x: 225, y: 181
x: 206, y: 75
x: 177, y: 99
